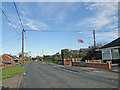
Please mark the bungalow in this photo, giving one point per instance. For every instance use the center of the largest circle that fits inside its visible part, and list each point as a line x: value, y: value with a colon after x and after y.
x: 111, y: 52
x: 10, y: 60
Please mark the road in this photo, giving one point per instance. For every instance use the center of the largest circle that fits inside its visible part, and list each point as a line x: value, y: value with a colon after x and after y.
x: 40, y: 75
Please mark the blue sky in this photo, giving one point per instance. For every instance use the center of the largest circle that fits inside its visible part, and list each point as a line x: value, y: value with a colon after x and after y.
x: 63, y: 18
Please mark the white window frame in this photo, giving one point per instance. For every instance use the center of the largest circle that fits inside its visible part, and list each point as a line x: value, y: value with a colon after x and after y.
x: 118, y: 54
x: 109, y: 53
x: 111, y: 48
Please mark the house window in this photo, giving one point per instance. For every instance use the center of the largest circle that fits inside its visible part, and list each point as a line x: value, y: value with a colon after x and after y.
x: 106, y: 54
x: 115, y: 53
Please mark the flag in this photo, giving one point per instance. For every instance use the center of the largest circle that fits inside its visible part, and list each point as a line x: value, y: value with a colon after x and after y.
x: 80, y: 41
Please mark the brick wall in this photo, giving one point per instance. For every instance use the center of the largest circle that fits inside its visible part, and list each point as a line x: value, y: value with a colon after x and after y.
x: 94, y: 61
x: 97, y: 65
x: 76, y: 59
x: 67, y: 62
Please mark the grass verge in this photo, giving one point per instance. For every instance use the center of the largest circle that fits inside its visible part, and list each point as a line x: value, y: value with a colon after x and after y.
x: 51, y: 63
x: 10, y: 72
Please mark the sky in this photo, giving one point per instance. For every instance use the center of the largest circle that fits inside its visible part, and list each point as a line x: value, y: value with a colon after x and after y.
x: 68, y: 21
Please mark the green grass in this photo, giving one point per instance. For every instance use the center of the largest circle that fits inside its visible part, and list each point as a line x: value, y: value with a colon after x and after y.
x: 51, y: 63
x: 10, y: 72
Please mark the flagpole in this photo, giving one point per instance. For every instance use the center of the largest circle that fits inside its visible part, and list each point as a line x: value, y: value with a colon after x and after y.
x: 79, y: 41
x: 78, y: 50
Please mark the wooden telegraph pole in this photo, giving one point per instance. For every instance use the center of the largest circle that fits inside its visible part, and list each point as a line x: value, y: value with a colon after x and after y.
x: 22, y: 46
x: 94, y: 38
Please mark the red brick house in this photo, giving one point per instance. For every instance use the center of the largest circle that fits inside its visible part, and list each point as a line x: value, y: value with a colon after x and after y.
x: 10, y: 60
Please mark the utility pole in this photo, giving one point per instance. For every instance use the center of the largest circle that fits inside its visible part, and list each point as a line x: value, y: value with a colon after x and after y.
x: 22, y: 46
x: 94, y: 38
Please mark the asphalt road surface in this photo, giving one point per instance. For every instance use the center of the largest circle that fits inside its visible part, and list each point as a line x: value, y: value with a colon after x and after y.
x: 40, y: 75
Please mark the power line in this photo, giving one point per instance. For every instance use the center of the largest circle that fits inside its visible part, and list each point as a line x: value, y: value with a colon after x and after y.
x: 22, y: 33
x: 9, y: 20
x: 18, y: 15
x: 82, y: 31
x: 10, y: 38
x: 18, y: 44
x: 57, y: 30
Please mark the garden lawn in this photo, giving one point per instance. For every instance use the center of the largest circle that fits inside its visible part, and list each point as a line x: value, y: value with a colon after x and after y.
x: 51, y: 63
x: 10, y: 72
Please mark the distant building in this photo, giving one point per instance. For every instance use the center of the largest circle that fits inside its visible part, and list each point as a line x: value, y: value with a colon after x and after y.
x: 9, y: 59
x: 0, y: 60
x: 47, y: 58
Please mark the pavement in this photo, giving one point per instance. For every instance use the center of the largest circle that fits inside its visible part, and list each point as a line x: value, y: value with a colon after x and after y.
x: 104, y: 73
x: 41, y: 75
x: 11, y: 82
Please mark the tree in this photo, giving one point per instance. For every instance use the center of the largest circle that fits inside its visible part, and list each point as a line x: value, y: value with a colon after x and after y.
x: 47, y: 57
x: 20, y: 55
x: 25, y: 54
x: 82, y: 54
x: 92, y: 53
x: 65, y: 54
x: 100, y: 44
x: 56, y: 58
x: 38, y: 57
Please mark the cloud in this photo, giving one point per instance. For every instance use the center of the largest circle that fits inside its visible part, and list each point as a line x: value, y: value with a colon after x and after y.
x: 33, y: 24
x: 23, y: 12
x: 61, y: 0
x: 113, y: 26
x: 104, y: 14
x: 116, y: 29
x: 11, y: 25
x: 80, y: 32
x: 60, y: 18
x: 108, y: 34
x: 56, y: 12
x: 15, y: 25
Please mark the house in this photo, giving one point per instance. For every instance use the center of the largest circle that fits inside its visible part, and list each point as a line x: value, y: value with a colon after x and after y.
x: 1, y: 61
x: 111, y: 52
x: 10, y: 60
